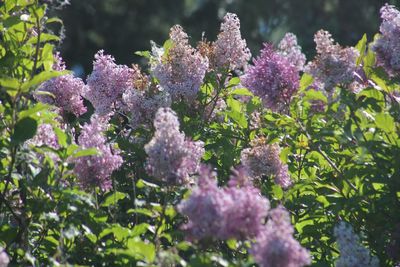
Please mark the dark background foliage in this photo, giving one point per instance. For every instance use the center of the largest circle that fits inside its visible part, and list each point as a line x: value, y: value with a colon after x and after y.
x: 121, y: 27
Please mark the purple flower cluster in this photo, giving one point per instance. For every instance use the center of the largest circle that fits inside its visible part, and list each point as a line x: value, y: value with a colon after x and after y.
x: 333, y: 64
x: 264, y: 160
x: 230, y: 50
x: 273, y: 78
x: 244, y: 209
x: 4, y: 259
x: 142, y: 101
x: 107, y: 83
x: 203, y: 207
x: 289, y: 48
x: 276, y: 247
x: 387, y: 46
x: 64, y: 91
x: 236, y: 211
x: 45, y: 135
x: 181, y: 69
x: 171, y: 157
x: 96, y: 170
x: 352, y: 253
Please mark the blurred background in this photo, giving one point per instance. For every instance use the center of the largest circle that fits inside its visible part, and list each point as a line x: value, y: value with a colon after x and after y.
x: 121, y: 27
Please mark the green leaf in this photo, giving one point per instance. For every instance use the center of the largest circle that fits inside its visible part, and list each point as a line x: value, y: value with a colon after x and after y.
x: 86, y: 152
x: 40, y: 78
x: 238, y: 117
x: 361, y: 46
x: 306, y: 81
x: 242, y: 91
x: 24, y: 129
x: 113, y: 199
x: 36, y: 108
x: 61, y: 136
x: 233, y: 82
x: 9, y: 83
x: 140, y: 248
x: 145, y: 54
x: 44, y: 37
x: 54, y: 20
x: 142, y: 211
x: 385, y: 122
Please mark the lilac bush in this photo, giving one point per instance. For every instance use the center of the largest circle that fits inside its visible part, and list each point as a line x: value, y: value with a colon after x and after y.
x: 172, y: 165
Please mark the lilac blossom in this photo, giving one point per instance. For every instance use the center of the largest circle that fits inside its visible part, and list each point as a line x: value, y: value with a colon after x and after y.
x: 203, y: 207
x: 289, y: 48
x: 230, y: 50
x: 275, y: 246
x: 181, y: 71
x: 244, y: 209
x: 4, y: 259
x: 96, y: 170
x: 264, y: 160
x: 172, y: 157
x: 142, y: 101
x: 273, y: 78
x: 387, y: 46
x: 235, y: 211
x: 64, y: 91
x: 352, y: 253
x: 107, y: 83
x: 45, y: 136
x: 333, y: 64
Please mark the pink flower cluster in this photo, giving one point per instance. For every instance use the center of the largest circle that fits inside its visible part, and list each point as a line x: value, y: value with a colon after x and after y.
x: 96, y: 170
x: 387, y: 46
x: 333, y: 64
x: 171, y: 157
x: 264, y: 160
x: 46, y: 136
x: 142, y: 101
x: 273, y: 78
x: 352, y: 253
x: 107, y: 83
x: 230, y: 50
x: 181, y: 69
x: 275, y: 246
x: 64, y: 91
x: 236, y: 211
x: 289, y: 48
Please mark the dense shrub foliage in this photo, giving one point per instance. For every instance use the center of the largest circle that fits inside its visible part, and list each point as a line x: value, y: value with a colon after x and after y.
x: 206, y: 159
